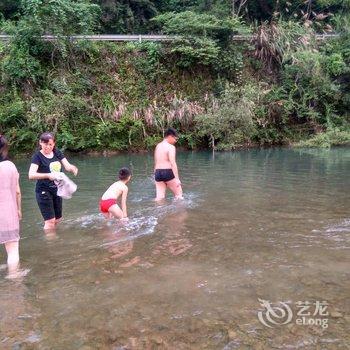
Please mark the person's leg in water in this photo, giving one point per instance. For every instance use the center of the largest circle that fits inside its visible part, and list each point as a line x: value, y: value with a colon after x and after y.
x: 47, y: 208
x: 50, y: 224
x: 115, y: 211
x: 175, y: 188
x: 160, y: 190
x: 12, y: 250
x: 50, y: 229
x: 57, y: 206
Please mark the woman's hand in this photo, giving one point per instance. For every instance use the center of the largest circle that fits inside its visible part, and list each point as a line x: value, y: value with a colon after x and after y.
x: 52, y: 176
x: 19, y: 214
x: 73, y: 169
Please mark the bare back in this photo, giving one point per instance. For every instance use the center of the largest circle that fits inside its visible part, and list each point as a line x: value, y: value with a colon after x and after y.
x: 114, y: 191
x: 161, y: 155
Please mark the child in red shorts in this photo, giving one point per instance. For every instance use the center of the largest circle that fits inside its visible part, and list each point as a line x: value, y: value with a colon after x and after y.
x: 108, y: 202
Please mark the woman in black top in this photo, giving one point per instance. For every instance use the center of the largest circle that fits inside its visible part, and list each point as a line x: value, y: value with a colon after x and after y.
x: 44, y: 164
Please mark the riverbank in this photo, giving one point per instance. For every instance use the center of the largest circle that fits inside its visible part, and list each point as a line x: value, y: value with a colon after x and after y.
x: 122, y: 96
x: 322, y: 140
x: 327, y: 139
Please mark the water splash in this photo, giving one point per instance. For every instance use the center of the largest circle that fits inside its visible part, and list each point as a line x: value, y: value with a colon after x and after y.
x: 135, y: 227
x: 142, y: 222
x: 343, y: 226
x: 94, y: 220
x: 338, y: 233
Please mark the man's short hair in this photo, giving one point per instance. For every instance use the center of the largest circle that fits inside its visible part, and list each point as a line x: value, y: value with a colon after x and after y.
x: 124, y: 173
x: 171, y: 132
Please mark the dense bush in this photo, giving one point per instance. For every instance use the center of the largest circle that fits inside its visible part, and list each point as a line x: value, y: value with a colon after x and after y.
x: 229, y: 121
x: 200, y: 38
x: 280, y: 88
x: 332, y: 137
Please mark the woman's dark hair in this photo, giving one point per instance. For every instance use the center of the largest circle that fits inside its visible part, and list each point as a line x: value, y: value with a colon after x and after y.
x: 124, y: 173
x: 46, y: 137
x: 3, y: 148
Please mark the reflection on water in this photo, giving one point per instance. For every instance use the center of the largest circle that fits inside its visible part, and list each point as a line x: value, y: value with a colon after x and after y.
x: 260, y: 224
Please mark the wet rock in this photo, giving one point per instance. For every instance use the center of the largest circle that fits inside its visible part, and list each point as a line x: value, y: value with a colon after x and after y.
x: 161, y: 327
x: 4, y: 340
x: 232, y: 334
x: 336, y: 314
x: 133, y: 342
x: 17, y: 346
x: 33, y: 338
x: 259, y: 346
x: 219, y: 337
x: 157, y: 339
x: 207, y: 322
x: 112, y: 338
x: 25, y: 317
x: 147, y: 265
x: 233, y: 344
x: 131, y: 262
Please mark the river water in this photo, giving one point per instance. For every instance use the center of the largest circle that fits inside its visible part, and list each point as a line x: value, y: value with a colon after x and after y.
x: 255, y: 225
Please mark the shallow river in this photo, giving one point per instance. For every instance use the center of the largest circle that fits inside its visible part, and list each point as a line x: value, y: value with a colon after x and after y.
x: 255, y: 225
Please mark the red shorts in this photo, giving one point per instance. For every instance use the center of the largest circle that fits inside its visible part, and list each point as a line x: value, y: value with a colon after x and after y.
x: 105, y: 204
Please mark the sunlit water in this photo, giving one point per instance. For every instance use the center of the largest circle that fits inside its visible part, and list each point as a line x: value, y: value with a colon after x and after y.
x: 261, y: 224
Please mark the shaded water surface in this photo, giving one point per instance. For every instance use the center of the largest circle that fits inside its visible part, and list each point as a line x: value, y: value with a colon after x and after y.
x: 262, y: 224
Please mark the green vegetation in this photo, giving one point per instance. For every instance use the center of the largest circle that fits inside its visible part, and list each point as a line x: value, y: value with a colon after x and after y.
x: 332, y: 137
x: 284, y: 87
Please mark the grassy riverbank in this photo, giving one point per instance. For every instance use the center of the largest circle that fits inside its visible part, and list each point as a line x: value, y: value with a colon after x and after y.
x: 283, y: 88
x: 327, y: 139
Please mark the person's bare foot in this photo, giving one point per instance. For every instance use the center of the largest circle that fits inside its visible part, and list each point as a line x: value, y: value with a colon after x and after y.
x: 17, y: 273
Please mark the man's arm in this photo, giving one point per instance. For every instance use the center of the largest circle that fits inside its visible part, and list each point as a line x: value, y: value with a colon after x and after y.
x: 155, y: 158
x: 124, y: 196
x: 172, y: 159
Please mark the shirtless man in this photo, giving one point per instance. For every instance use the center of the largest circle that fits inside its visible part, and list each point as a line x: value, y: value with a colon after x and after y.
x: 165, y: 168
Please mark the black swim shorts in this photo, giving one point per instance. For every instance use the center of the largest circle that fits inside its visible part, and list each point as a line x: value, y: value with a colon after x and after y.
x: 163, y: 175
x: 50, y: 205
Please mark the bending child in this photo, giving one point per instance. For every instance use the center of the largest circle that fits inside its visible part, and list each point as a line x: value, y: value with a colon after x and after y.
x: 108, y: 202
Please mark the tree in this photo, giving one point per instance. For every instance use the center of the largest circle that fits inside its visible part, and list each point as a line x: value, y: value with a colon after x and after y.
x: 126, y: 16
x: 24, y: 57
x: 200, y: 37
